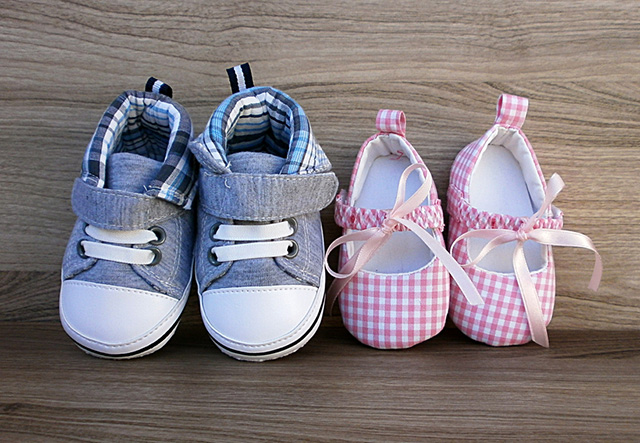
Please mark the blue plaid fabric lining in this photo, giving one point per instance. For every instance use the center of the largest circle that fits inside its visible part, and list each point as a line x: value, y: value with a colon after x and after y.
x: 263, y: 119
x: 151, y: 125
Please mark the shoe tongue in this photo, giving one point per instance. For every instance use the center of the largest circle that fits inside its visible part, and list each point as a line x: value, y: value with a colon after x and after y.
x: 131, y: 172
x: 255, y: 162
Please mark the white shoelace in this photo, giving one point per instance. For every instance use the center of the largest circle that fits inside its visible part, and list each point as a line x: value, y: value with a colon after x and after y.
x: 262, y: 241
x: 123, y: 254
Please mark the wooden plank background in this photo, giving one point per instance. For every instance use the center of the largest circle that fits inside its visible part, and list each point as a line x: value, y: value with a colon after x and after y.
x: 334, y: 389
x: 443, y: 63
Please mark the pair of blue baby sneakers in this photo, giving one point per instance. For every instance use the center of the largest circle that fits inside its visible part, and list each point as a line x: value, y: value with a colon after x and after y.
x: 240, y: 203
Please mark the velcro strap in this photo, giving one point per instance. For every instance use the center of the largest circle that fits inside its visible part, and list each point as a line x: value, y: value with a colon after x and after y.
x: 240, y: 77
x: 119, y: 210
x: 473, y: 218
x: 351, y: 217
x: 265, y: 197
x: 159, y: 87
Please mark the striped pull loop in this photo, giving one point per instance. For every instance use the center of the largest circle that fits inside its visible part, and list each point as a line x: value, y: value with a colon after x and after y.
x: 389, y: 121
x: 511, y: 111
x: 240, y: 77
x: 159, y: 87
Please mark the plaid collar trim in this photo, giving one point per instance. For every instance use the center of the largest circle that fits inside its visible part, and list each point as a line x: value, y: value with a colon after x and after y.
x: 165, y: 138
x: 259, y: 119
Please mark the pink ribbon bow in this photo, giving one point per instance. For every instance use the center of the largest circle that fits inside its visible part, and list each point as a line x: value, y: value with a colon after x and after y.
x: 374, y: 238
x: 549, y: 237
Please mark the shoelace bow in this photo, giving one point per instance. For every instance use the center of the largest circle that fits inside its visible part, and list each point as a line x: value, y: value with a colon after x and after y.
x: 374, y: 238
x: 549, y: 237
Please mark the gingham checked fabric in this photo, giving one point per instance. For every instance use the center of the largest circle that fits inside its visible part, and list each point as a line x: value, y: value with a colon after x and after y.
x: 351, y: 217
x: 511, y: 114
x: 388, y: 122
x: 151, y: 125
x: 393, y: 311
x: 473, y: 218
x: 262, y: 119
x: 511, y: 111
x: 396, y: 311
x: 391, y: 121
x: 502, y: 320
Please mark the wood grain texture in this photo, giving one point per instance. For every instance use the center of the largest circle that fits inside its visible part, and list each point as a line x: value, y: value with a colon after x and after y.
x: 444, y: 64
x: 585, y: 388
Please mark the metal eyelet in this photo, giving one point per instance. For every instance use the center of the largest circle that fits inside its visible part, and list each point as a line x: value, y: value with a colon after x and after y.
x: 293, y: 223
x: 157, y: 256
x: 80, y: 250
x: 292, y: 250
x: 160, y: 234
x: 213, y: 258
x: 214, y: 230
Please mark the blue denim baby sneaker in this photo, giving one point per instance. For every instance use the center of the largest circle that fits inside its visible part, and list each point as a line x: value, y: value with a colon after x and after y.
x: 126, y: 273
x: 263, y: 181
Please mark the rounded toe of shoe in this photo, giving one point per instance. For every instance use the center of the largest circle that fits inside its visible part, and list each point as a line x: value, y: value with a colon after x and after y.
x: 114, y: 321
x: 502, y: 319
x: 253, y: 321
x: 399, y: 315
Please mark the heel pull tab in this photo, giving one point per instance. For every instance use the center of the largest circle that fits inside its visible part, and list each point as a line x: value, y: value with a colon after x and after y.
x: 159, y: 87
x: 511, y: 111
x: 240, y: 77
x: 390, y: 121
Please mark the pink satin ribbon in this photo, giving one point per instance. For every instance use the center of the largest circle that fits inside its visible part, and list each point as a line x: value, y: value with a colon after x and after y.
x: 549, y: 237
x: 374, y: 238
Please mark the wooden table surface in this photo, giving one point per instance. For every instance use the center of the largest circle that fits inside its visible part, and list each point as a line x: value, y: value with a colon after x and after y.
x: 444, y: 64
x: 584, y: 388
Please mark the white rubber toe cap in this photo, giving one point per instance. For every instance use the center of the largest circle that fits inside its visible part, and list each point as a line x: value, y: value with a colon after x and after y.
x: 254, y: 318
x: 112, y: 319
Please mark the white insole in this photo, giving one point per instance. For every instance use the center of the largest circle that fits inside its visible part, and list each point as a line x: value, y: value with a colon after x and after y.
x: 498, y: 186
x: 404, y: 251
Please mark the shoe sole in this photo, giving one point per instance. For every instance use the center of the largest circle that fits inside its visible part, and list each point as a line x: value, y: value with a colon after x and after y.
x: 290, y: 348
x: 150, y: 349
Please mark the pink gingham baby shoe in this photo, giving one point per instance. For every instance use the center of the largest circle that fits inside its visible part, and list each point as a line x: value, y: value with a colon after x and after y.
x: 502, y: 227
x: 393, y: 284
